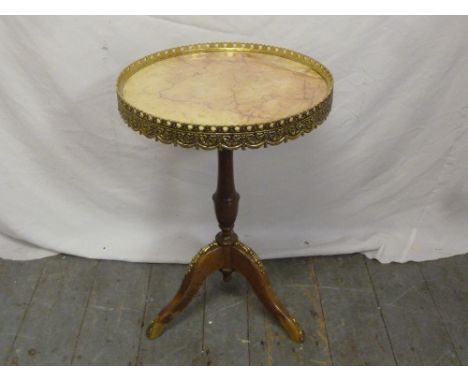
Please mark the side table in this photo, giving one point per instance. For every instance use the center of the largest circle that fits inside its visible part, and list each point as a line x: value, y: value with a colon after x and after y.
x: 225, y: 96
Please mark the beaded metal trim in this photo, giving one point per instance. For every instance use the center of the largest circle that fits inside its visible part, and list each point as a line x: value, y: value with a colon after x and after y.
x: 227, y: 137
x: 250, y: 253
x: 202, y: 252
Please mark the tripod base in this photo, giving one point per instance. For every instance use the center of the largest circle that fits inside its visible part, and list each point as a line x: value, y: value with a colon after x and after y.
x: 227, y: 258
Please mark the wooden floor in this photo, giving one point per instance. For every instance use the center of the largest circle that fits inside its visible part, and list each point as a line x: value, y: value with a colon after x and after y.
x: 66, y: 310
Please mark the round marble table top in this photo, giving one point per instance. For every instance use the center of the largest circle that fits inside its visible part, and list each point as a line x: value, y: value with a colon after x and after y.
x: 223, y: 89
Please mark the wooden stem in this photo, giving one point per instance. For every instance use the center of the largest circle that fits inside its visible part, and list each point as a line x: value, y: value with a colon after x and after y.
x: 226, y: 199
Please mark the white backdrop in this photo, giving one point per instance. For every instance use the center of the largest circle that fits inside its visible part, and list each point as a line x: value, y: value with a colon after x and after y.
x: 385, y: 175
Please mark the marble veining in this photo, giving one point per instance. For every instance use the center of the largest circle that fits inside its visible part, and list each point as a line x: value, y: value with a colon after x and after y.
x: 225, y: 88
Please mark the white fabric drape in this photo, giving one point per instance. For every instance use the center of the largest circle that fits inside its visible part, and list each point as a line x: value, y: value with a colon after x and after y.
x: 386, y: 175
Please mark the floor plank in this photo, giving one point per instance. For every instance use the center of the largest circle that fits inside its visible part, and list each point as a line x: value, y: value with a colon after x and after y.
x: 225, y: 328
x: 416, y: 331
x: 296, y: 285
x: 48, y: 333
x: 181, y: 342
x: 111, y: 328
x: 447, y: 280
x: 18, y: 281
x: 355, y: 327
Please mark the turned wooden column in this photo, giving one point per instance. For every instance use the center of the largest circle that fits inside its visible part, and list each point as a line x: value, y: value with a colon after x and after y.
x: 226, y: 198
x: 226, y: 202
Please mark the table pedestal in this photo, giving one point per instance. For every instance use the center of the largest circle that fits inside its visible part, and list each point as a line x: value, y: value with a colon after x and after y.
x: 226, y: 254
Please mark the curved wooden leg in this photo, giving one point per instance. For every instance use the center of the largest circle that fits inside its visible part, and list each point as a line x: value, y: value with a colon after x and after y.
x: 246, y: 261
x: 209, y: 259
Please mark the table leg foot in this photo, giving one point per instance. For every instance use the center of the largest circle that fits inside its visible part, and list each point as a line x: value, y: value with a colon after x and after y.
x: 154, y: 330
x: 246, y: 261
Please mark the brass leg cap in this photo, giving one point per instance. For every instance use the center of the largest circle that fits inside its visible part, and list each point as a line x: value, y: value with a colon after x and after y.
x: 293, y: 329
x: 297, y: 336
x: 154, y: 330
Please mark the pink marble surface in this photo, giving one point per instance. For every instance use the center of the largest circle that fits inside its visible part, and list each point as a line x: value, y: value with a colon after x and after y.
x: 225, y: 88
